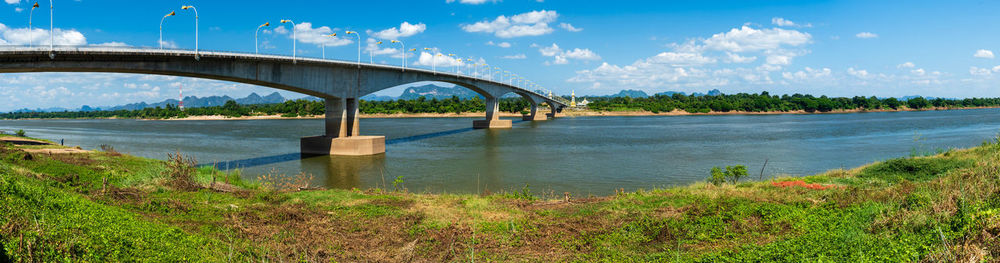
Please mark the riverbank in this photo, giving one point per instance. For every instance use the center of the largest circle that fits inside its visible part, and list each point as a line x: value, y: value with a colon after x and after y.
x: 107, y: 206
x: 565, y: 113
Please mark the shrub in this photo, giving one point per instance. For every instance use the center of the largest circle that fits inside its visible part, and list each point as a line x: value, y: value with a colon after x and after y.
x: 180, y: 172
x: 912, y: 169
x: 717, y: 177
x: 19, y: 133
x: 734, y: 173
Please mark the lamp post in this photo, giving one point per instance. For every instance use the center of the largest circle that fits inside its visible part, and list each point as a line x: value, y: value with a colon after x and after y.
x: 433, y: 60
x: 324, y: 44
x: 196, y: 56
x: 293, y: 37
x: 52, y: 38
x: 359, y: 45
x: 31, y: 39
x: 403, y: 49
x: 371, y: 53
x: 255, y: 50
x: 498, y: 71
x: 456, y: 66
x: 172, y: 13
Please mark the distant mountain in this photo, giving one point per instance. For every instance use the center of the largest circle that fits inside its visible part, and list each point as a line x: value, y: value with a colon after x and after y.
x: 631, y: 93
x: 714, y: 92
x: 436, y: 92
x: 373, y: 97
x: 189, y: 102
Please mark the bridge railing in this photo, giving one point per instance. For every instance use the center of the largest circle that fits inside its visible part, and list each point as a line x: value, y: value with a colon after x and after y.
x: 182, y: 51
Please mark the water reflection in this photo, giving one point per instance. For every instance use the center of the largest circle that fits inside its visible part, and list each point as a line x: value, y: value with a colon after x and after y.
x: 346, y: 171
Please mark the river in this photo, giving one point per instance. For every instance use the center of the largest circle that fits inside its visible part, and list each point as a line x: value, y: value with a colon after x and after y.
x: 583, y: 155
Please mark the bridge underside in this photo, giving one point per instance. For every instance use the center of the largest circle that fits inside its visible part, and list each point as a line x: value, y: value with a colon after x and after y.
x: 339, y: 83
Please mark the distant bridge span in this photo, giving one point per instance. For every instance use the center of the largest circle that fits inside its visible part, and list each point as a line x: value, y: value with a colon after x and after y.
x: 340, y: 83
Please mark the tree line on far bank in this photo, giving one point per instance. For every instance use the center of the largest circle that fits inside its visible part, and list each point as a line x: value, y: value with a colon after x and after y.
x: 765, y: 102
x: 762, y: 102
x: 291, y: 108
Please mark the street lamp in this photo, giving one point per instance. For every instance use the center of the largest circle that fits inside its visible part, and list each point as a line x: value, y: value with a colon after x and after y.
x: 456, y: 66
x: 499, y: 72
x: 359, y: 45
x: 293, y: 37
x: 31, y: 40
x: 403, y: 49
x: 324, y: 44
x: 161, y: 27
x: 255, y: 50
x: 433, y: 59
x: 371, y: 53
x: 52, y: 38
x: 195, y: 28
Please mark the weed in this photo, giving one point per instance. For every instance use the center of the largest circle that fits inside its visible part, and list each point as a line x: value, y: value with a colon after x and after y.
x: 180, y: 172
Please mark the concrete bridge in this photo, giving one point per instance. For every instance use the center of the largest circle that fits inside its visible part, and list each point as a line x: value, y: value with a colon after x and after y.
x: 340, y: 83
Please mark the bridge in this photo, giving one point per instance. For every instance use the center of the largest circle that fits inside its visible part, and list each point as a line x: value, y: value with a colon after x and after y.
x: 339, y: 83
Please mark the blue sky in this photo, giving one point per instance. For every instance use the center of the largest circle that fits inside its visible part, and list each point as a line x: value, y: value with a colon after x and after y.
x: 837, y: 48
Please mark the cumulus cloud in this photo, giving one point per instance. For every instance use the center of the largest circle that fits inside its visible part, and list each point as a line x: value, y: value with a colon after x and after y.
x: 306, y: 33
x: 501, y: 44
x: 438, y: 60
x: 906, y: 65
x: 982, y: 53
x: 746, y: 39
x: 534, y: 23
x: 404, y: 30
x: 569, y: 27
x: 561, y: 56
x: 13, y: 2
x: 40, y: 36
x: 778, y: 21
x: 726, y: 58
x: 864, y: 35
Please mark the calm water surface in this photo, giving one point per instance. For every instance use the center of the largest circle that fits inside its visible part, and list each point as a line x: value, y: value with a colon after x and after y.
x: 584, y: 155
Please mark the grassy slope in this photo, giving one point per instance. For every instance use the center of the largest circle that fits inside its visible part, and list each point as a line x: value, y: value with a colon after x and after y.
x: 944, y: 207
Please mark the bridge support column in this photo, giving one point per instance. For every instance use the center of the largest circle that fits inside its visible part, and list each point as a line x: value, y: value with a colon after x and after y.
x: 534, y: 115
x: 342, y: 133
x: 553, y: 113
x: 493, y: 120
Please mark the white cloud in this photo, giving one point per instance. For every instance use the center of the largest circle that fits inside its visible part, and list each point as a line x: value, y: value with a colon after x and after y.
x: 470, y: 2
x: 13, y: 2
x: 736, y: 58
x: 746, y: 39
x: 18, y: 9
x: 518, y: 56
x: 438, y: 60
x: 561, y: 56
x: 405, y: 30
x: 866, y: 35
x: 168, y: 44
x: 112, y: 44
x: 778, y: 21
x: 306, y: 33
x: 569, y: 27
x: 906, y: 65
x: 40, y: 36
x: 534, y: 23
x: 862, y: 74
x: 982, y: 53
x: 501, y: 44
x: 808, y: 74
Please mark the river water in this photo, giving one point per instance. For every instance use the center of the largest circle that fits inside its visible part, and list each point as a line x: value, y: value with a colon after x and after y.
x: 583, y: 155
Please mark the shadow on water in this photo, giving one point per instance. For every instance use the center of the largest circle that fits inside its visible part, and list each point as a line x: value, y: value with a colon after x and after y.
x: 280, y: 158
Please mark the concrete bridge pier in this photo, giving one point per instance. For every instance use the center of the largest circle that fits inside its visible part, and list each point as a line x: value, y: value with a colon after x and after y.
x: 492, y: 120
x: 553, y: 113
x: 342, y: 133
x: 534, y: 114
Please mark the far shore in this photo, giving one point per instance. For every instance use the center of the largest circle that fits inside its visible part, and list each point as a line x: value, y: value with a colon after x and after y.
x: 564, y: 113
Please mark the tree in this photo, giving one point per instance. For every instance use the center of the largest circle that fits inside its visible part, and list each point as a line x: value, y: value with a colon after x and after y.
x: 917, y: 103
x: 717, y: 177
x: 892, y: 103
x: 734, y: 173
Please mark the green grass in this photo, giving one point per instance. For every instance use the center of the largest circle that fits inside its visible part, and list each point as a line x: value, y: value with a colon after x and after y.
x: 944, y: 207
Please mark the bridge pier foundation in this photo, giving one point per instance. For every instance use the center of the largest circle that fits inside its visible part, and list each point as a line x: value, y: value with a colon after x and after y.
x: 534, y: 116
x: 342, y: 133
x: 492, y: 120
x: 553, y: 113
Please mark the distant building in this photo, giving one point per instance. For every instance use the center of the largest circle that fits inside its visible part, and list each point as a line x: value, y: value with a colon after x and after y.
x: 572, y: 102
x: 583, y: 103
